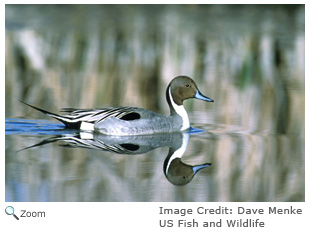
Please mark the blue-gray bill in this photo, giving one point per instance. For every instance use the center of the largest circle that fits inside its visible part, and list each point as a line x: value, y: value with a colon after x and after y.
x: 200, y: 96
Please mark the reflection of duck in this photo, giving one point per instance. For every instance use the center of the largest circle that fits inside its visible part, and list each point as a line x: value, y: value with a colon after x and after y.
x: 177, y: 172
x: 132, y: 120
x: 136, y: 144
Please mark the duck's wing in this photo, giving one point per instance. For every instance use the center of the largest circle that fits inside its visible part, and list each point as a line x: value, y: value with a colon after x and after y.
x: 100, y: 114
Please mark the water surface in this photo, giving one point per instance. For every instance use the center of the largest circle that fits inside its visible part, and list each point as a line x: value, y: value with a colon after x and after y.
x: 244, y: 167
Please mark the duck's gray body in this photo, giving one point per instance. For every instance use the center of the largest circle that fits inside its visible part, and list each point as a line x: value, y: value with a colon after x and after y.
x: 148, y: 123
x: 133, y: 120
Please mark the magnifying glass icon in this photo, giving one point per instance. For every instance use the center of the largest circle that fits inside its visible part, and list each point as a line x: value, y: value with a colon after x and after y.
x: 9, y: 210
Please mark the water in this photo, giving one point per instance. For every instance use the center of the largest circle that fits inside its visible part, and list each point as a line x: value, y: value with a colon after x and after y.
x: 249, y: 59
x: 244, y: 167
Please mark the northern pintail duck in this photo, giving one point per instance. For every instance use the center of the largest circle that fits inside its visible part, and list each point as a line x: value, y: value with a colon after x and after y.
x: 133, y: 120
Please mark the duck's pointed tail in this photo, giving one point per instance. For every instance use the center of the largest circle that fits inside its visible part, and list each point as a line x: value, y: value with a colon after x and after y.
x: 69, y: 122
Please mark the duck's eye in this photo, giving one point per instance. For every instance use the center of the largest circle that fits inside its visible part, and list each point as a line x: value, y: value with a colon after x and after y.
x: 187, y: 85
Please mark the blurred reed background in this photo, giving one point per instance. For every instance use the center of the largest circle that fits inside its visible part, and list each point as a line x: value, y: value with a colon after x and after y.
x: 249, y: 58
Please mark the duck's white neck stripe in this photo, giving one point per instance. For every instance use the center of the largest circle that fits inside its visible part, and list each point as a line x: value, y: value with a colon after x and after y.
x: 181, y: 111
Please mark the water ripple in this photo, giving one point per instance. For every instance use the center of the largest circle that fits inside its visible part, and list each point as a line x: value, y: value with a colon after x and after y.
x: 33, y: 127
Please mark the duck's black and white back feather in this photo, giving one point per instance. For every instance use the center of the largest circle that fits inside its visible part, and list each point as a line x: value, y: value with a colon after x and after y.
x: 78, y: 118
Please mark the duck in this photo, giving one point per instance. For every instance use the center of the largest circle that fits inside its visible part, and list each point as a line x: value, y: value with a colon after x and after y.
x: 121, y: 121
